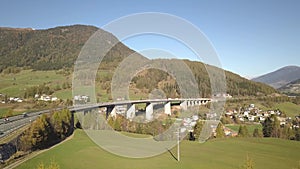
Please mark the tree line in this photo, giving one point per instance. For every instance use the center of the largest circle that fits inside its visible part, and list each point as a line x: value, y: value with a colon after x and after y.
x: 46, y: 131
x: 272, y: 128
x: 30, y: 92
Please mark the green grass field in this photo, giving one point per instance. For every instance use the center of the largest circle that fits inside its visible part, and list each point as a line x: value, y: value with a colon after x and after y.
x: 290, y: 109
x: 14, y: 85
x: 3, y: 111
x: 80, y: 152
x: 14, y: 108
x: 64, y: 94
x: 250, y: 128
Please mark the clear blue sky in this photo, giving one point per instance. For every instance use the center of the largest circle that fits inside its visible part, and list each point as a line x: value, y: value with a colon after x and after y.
x: 251, y: 37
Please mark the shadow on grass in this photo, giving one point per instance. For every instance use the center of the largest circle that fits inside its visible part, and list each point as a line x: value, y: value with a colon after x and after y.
x: 172, y: 154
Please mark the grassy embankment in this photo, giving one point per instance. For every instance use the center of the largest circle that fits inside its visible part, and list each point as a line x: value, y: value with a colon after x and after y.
x: 268, y: 153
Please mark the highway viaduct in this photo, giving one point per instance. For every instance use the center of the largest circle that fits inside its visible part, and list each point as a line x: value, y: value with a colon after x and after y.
x: 130, y: 106
x: 10, y: 124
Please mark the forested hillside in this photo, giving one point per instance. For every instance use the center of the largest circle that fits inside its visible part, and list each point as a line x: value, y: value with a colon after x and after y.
x: 236, y: 85
x: 57, y: 48
x: 49, y: 49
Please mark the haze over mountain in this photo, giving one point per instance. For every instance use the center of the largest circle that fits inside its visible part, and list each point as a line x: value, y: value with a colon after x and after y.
x: 280, y: 77
x: 57, y: 48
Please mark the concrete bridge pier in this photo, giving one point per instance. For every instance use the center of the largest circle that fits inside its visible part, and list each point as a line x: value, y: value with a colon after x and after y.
x: 183, y: 105
x: 190, y: 103
x: 72, y: 122
x: 86, y: 112
x: 204, y: 102
x: 130, y: 113
x: 167, y: 107
x: 111, y: 110
x: 149, y: 111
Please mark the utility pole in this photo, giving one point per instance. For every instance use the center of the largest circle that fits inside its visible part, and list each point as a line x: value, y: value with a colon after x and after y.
x: 178, y: 148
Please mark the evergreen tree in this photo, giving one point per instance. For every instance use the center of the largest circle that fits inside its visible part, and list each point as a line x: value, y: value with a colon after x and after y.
x: 117, y: 123
x: 219, y: 131
x: 287, y: 132
x: 243, y: 131
x: 257, y: 133
x: 276, y: 130
x: 297, y: 135
x: 197, y: 129
x: 267, y: 127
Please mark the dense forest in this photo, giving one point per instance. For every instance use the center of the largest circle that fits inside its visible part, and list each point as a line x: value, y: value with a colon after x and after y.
x: 46, y: 131
x: 49, y: 49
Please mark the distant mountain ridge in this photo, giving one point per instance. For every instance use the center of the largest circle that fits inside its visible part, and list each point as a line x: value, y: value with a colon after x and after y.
x: 280, y: 77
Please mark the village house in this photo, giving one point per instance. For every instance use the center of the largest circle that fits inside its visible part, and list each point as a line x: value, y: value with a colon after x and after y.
x: 15, y: 99
x: 46, y: 98
x: 81, y: 99
x: 282, y: 120
x: 251, y: 118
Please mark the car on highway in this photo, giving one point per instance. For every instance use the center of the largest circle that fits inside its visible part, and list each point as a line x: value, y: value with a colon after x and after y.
x: 24, y: 114
x: 6, y: 120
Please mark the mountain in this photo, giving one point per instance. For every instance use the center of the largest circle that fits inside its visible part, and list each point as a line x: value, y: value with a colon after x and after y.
x: 50, y: 49
x: 280, y: 77
x: 292, y: 88
x: 57, y: 48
